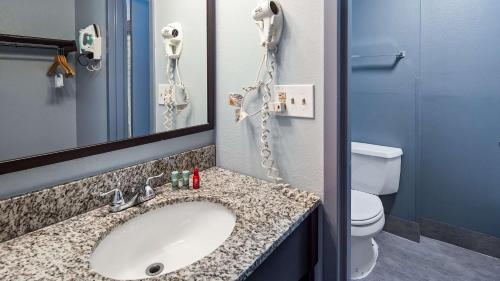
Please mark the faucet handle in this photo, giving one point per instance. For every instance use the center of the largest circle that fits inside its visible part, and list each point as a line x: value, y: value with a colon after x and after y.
x: 155, y: 177
x: 148, y: 192
x: 117, y: 197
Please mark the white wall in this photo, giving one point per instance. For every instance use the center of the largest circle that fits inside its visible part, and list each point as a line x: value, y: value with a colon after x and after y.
x: 298, y: 143
x: 192, y: 16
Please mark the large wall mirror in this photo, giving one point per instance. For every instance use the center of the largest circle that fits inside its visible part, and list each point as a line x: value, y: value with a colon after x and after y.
x: 83, y: 77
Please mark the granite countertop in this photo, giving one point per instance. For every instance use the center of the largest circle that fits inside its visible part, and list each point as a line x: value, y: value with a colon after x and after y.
x: 266, y: 214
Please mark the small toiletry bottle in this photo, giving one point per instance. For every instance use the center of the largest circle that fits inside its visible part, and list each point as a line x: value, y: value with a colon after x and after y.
x: 196, y: 179
x: 185, y: 179
x: 175, y: 180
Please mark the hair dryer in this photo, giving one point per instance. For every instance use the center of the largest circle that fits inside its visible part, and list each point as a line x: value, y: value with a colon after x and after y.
x: 269, y: 18
x: 173, y: 36
x: 90, y: 45
x: 90, y: 41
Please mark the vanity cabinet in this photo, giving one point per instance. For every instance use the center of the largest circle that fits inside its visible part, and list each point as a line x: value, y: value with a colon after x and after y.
x: 295, y: 258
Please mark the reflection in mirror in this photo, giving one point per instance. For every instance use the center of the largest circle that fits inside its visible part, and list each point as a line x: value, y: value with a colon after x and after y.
x: 76, y: 73
x: 180, y: 36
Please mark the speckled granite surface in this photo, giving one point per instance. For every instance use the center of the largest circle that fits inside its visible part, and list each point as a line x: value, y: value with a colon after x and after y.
x: 32, y: 211
x: 265, y: 215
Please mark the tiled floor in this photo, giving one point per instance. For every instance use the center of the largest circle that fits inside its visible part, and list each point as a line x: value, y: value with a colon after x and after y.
x: 430, y: 260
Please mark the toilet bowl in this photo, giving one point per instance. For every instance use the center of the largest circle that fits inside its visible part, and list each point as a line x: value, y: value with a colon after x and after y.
x: 367, y: 220
x: 375, y: 171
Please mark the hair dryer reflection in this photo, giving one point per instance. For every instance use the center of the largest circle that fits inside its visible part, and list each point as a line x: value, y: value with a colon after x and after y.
x: 174, y: 95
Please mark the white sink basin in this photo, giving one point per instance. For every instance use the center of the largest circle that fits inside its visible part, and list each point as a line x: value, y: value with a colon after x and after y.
x: 163, y: 240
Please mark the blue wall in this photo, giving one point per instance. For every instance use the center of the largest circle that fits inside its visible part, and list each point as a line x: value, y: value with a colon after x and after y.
x: 141, y: 77
x: 441, y: 104
x: 382, y: 97
x: 460, y: 113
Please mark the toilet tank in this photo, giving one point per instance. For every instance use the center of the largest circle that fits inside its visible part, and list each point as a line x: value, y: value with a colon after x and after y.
x: 375, y: 169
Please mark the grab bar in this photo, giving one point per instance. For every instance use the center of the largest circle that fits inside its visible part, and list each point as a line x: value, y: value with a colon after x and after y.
x: 398, y: 56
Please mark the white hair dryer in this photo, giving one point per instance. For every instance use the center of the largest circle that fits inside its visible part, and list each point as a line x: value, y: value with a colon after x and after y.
x: 269, y: 18
x: 173, y: 36
x: 176, y: 98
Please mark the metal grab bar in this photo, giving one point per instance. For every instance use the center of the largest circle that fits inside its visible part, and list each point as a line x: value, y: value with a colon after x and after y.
x: 398, y: 56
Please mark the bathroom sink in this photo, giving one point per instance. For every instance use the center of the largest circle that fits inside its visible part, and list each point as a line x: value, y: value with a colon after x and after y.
x: 163, y: 240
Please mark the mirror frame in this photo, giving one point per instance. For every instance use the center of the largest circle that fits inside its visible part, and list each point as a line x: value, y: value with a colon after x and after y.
x: 25, y: 163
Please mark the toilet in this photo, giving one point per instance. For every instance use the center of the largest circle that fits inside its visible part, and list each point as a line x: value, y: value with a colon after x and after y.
x: 375, y: 171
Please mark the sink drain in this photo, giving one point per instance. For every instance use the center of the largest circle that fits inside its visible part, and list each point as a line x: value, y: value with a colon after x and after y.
x: 154, y: 269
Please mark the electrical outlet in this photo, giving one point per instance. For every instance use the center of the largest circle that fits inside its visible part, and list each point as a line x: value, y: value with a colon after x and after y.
x: 299, y: 100
x: 162, y: 91
x: 281, y: 97
x: 278, y: 107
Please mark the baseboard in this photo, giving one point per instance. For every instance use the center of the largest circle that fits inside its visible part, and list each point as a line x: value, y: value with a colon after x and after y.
x: 462, y: 237
x: 404, y: 228
x: 455, y: 235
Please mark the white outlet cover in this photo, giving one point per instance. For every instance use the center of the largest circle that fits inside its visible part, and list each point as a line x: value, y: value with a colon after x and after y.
x: 162, y: 89
x: 299, y: 100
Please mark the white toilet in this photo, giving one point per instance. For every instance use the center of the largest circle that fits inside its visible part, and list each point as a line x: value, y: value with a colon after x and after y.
x: 375, y: 171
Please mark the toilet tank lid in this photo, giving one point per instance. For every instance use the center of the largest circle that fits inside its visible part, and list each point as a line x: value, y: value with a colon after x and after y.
x: 376, y: 150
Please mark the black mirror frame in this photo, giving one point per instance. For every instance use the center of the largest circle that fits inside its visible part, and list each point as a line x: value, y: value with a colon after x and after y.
x: 30, y: 162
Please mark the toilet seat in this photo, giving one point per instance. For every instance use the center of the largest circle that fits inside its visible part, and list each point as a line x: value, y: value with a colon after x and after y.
x: 366, y: 208
x: 368, y: 222
x: 367, y: 219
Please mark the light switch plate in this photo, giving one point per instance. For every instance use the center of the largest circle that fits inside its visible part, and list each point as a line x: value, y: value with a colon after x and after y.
x: 162, y: 89
x: 299, y: 100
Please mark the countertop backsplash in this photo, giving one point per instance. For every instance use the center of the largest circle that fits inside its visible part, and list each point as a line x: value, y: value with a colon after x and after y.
x: 32, y: 211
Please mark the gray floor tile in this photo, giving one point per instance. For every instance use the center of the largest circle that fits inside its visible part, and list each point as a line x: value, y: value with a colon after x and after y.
x: 430, y: 260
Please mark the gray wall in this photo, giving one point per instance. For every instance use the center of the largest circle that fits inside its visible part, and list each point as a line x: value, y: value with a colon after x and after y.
x: 330, y: 217
x: 192, y: 16
x: 298, y: 143
x: 92, y: 87
x: 441, y: 105
x: 34, y: 116
x: 36, y: 18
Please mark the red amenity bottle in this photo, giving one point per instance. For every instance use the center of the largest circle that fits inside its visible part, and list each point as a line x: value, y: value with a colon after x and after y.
x: 196, y: 179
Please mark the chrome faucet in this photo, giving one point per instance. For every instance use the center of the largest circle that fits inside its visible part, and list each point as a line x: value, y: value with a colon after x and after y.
x: 119, y: 204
